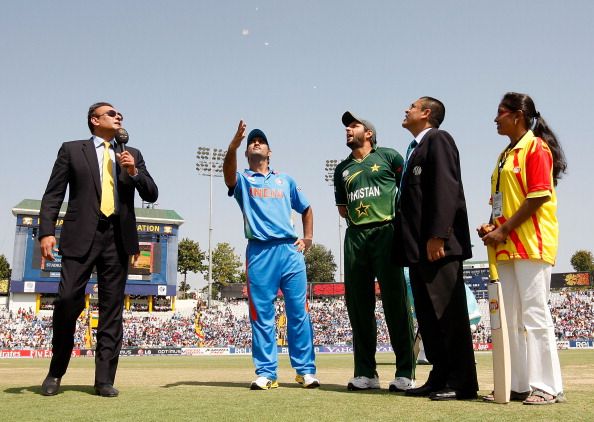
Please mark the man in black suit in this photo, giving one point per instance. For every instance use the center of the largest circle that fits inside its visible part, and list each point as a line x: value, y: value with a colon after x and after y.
x: 99, y: 231
x: 433, y: 239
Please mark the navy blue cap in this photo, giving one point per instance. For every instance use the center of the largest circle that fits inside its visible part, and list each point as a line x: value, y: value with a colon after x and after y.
x: 256, y: 133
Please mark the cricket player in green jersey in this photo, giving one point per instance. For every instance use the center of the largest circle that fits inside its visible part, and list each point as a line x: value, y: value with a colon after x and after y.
x: 365, y: 186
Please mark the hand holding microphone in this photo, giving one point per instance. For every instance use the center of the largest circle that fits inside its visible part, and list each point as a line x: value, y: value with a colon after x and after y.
x: 125, y: 159
x: 121, y: 137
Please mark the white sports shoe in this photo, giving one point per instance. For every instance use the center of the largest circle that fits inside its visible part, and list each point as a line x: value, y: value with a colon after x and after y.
x: 308, y: 381
x: 401, y: 384
x: 263, y: 383
x: 363, y: 383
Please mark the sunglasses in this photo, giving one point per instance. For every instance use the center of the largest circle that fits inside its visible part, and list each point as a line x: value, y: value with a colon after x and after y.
x: 111, y: 113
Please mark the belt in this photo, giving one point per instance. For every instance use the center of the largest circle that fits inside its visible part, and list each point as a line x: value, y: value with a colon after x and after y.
x: 104, y: 221
x: 370, y: 225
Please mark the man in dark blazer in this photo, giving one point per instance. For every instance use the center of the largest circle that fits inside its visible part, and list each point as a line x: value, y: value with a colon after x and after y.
x: 433, y: 239
x: 99, y: 231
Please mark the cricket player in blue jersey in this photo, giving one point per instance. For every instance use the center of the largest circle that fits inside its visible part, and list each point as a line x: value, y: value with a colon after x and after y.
x: 274, y: 258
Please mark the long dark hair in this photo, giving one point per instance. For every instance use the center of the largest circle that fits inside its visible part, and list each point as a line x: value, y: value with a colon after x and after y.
x: 515, y: 101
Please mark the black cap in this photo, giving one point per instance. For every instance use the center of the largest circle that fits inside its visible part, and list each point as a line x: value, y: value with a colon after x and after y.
x: 256, y: 133
x: 348, y: 118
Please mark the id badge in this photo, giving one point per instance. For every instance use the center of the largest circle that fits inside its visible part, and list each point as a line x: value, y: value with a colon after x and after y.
x: 497, y: 205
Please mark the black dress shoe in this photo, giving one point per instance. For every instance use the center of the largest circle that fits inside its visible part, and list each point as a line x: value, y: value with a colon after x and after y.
x: 451, y: 394
x: 423, y: 391
x: 106, y: 390
x: 50, y: 386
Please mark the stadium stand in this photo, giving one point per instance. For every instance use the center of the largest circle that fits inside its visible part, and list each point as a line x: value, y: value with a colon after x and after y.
x: 226, y: 323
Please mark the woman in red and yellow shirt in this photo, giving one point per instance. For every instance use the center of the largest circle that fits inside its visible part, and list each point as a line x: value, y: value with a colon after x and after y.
x: 524, y: 233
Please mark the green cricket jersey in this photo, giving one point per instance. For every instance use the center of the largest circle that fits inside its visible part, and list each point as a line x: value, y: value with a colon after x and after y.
x: 368, y: 187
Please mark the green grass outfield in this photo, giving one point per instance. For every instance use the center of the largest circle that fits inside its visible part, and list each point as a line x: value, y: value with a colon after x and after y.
x: 216, y: 388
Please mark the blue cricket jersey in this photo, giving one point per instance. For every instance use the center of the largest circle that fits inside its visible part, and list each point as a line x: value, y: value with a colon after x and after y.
x: 266, y: 202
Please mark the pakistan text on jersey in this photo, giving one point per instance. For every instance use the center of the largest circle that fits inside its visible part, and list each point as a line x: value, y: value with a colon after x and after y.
x: 266, y: 193
x: 364, y: 193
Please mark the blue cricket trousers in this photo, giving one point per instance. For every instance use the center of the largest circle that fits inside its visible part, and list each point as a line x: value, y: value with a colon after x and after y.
x: 272, y: 265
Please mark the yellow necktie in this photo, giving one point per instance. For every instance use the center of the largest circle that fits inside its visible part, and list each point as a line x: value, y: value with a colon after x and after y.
x: 107, y: 191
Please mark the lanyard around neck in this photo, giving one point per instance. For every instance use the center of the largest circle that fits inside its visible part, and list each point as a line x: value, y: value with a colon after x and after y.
x: 502, y: 160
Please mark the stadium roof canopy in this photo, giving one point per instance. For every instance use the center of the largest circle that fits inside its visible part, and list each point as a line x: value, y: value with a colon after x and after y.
x: 143, y: 215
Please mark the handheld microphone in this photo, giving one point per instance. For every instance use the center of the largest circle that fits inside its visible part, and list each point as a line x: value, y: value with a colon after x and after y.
x: 121, y: 137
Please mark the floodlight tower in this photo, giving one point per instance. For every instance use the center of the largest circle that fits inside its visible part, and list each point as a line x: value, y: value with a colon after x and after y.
x: 210, y: 163
x: 329, y: 178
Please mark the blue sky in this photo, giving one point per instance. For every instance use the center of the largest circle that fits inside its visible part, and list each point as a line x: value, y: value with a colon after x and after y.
x: 184, y: 72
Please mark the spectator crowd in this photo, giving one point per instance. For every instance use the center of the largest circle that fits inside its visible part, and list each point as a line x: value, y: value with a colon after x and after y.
x: 573, y: 314
x: 227, y: 323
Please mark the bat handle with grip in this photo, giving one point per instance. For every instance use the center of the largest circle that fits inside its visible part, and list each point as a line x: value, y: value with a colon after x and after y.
x: 493, y: 274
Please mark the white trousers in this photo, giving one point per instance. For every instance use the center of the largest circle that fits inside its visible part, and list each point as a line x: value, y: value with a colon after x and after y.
x: 533, y: 347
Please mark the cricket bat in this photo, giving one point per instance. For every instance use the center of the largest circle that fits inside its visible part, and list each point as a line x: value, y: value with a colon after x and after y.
x: 499, y: 335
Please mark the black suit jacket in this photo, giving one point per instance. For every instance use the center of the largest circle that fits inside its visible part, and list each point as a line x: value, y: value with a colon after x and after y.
x: 432, y: 202
x: 77, y: 167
